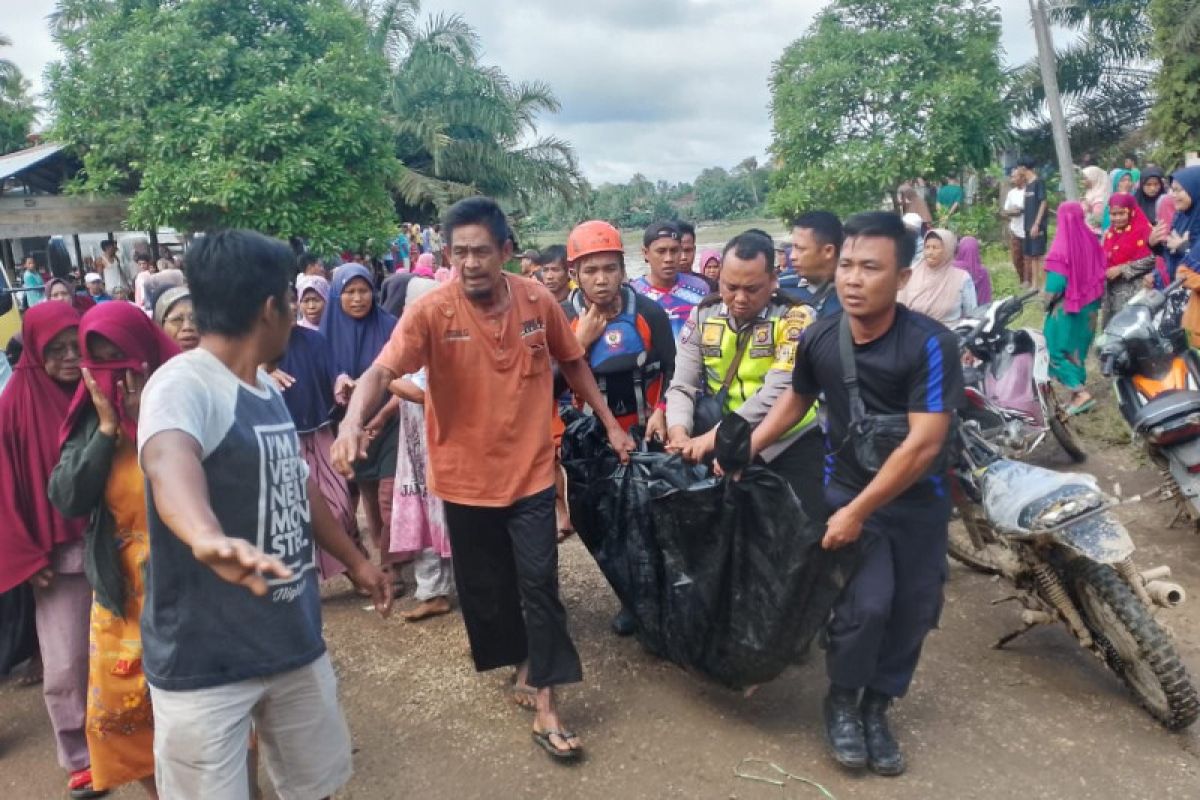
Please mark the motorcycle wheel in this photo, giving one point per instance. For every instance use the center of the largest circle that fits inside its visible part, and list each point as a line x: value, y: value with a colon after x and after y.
x: 974, y: 544
x: 1135, y: 647
x: 1061, y: 430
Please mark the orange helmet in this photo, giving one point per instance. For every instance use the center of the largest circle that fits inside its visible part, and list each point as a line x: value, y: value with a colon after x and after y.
x: 593, y: 236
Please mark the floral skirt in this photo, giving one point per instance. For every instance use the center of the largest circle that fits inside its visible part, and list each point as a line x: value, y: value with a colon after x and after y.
x: 120, y: 723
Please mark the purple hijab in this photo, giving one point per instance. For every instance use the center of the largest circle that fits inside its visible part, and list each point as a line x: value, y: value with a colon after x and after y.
x: 1077, y: 256
x: 967, y: 259
x: 355, y: 342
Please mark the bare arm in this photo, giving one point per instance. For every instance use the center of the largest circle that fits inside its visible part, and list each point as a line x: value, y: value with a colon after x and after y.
x: 407, y: 390
x: 789, y: 409
x: 331, y: 538
x: 906, y: 465
x: 172, y: 463
x: 369, y: 395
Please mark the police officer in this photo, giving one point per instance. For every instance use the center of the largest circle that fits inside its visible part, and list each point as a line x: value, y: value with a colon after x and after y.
x: 906, y: 364
x: 740, y: 345
x: 816, y: 244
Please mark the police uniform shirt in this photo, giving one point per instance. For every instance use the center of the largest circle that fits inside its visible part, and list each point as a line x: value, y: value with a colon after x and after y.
x: 913, y: 368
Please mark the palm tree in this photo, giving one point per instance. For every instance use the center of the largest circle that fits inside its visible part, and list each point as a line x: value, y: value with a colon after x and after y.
x: 462, y: 128
x: 17, y: 110
x: 1105, y: 76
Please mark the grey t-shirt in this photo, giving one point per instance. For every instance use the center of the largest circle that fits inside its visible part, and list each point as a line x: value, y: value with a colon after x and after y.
x: 197, y: 629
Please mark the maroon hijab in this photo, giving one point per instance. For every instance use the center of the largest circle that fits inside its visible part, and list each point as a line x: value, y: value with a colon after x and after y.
x: 32, y: 407
x: 144, y: 344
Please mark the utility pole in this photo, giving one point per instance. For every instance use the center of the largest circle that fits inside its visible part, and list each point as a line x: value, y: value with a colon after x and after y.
x: 1046, y: 59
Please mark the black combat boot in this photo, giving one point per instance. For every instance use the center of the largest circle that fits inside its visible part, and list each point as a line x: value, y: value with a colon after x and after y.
x: 885, y: 756
x: 844, y: 728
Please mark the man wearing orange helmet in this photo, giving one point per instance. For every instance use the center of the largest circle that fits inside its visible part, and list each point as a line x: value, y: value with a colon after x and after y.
x: 627, y: 338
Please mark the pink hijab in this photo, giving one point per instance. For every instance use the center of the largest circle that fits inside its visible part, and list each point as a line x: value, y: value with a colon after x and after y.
x: 424, y: 265
x: 1076, y: 255
x: 316, y: 283
x: 935, y: 289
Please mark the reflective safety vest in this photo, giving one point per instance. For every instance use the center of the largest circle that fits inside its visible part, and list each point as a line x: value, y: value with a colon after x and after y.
x: 629, y: 381
x: 772, y: 341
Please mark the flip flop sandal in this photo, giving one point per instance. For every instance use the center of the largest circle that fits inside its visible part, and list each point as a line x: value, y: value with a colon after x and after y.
x: 543, y: 740
x: 80, y: 785
x: 1082, y: 408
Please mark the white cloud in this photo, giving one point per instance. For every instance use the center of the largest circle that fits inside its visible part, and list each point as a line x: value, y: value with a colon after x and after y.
x: 661, y: 87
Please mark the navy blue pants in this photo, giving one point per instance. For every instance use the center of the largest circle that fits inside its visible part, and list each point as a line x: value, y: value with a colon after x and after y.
x: 894, y: 598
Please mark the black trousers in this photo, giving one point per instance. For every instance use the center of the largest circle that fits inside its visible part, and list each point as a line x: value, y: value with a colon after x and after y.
x: 802, y: 465
x: 506, y: 573
x: 893, y: 599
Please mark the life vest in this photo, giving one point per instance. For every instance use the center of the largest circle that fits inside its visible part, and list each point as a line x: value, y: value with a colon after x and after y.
x: 620, y: 361
x: 773, y: 339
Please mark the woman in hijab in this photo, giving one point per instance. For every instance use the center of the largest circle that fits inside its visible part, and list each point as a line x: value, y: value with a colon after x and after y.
x: 424, y: 265
x: 1181, y: 248
x: 357, y: 329
x: 1095, y: 197
x: 38, y: 544
x: 173, y: 313
x: 1150, y: 193
x: 1075, y: 268
x: 312, y: 292
x: 710, y: 267
x: 418, y: 523
x: 936, y: 287
x: 98, y: 477
x: 1122, y: 183
x: 306, y: 378
x: 1127, y: 253
x: 967, y: 258
x: 60, y: 290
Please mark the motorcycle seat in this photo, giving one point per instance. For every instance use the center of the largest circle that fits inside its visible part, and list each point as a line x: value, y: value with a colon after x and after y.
x: 1167, y: 406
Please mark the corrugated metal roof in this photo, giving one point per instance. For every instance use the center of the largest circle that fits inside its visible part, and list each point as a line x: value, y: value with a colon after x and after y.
x: 21, y: 160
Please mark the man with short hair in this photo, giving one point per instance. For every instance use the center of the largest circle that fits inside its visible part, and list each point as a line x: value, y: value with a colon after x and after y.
x: 108, y: 264
x: 677, y: 292
x: 94, y: 282
x: 529, y: 264
x: 687, y: 246
x: 232, y: 507
x: 308, y: 263
x: 744, y: 339
x: 1014, y: 209
x: 906, y: 364
x: 487, y: 341
x: 1034, y: 219
x: 816, y: 244
x: 552, y: 263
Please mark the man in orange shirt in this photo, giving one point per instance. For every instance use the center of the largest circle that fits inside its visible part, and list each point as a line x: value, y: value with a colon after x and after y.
x: 486, y: 341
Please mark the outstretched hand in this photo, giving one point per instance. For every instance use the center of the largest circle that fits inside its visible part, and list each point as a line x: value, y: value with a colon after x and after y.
x: 371, y: 578
x: 239, y: 562
x: 350, y: 446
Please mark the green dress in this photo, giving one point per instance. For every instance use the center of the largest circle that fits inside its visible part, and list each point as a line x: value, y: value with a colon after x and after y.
x: 1069, y: 336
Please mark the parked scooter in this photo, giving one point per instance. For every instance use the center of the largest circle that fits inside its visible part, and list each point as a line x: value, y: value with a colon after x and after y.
x: 1052, y: 536
x: 1144, y: 349
x: 1010, y: 393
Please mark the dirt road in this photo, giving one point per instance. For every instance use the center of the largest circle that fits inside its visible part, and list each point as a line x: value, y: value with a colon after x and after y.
x: 1040, y: 719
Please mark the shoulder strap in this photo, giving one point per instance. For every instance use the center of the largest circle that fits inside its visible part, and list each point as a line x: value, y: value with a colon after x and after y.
x: 849, y: 370
x: 743, y: 340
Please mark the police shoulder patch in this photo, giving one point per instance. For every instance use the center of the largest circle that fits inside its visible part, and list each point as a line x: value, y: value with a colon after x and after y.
x: 713, y: 332
x: 796, y: 320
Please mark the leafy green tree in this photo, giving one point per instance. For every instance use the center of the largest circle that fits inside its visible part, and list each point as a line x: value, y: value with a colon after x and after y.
x: 17, y: 110
x: 1175, y: 118
x: 1105, y: 75
x: 878, y: 92
x: 462, y: 127
x: 267, y: 115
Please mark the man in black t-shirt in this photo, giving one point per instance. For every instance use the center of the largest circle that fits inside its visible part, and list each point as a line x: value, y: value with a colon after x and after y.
x: 907, y: 364
x: 1034, y: 218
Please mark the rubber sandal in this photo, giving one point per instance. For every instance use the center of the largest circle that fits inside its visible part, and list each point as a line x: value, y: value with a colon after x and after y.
x: 543, y: 740
x: 79, y: 786
x: 1082, y: 408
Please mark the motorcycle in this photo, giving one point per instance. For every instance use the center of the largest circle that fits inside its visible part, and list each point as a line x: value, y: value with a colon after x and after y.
x: 1052, y: 536
x: 1144, y: 350
x: 1010, y: 393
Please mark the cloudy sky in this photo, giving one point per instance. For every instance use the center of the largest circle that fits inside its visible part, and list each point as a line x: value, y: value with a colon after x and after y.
x: 661, y: 87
